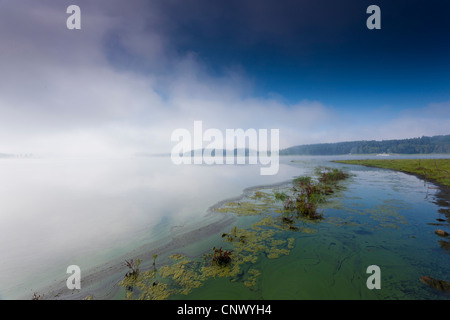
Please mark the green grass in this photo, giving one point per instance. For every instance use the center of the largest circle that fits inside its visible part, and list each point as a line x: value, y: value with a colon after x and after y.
x: 437, y: 170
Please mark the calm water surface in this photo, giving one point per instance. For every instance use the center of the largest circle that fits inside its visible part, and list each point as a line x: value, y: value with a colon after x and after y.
x: 59, y: 212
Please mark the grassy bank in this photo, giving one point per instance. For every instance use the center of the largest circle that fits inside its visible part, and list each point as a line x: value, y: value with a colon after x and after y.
x: 437, y: 170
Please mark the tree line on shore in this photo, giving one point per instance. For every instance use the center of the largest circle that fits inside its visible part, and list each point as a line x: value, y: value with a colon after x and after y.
x: 423, y: 145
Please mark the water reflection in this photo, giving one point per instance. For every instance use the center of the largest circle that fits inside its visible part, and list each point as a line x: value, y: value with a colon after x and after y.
x: 58, y: 212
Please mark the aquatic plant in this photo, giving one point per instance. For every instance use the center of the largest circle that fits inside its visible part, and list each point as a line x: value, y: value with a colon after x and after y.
x: 233, y: 236
x: 154, y: 261
x: 303, y: 180
x: 221, y: 257
x: 251, y: 282
x: 131, y: 276
x: 287, y: 219
x: 304, y: 204
x: 258, y: 194
x: 184, y: 274
x: 265, y: 238
x: 147, y: 287
x: 154, y: 291
x: 290, y: 242
x: 309, y: 194
x: 308, y: 208
x: 133, y: 265
x: 244, y: 208
x: 332, y: 175
x: 281, y: 196
x: 261, y: 196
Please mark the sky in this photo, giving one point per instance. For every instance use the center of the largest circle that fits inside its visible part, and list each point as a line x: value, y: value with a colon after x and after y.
x: 139, y: 69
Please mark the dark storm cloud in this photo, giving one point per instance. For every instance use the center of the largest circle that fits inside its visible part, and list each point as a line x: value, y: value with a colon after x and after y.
x: 255, y: 30
x: 139, y: 69
x: 302, y: 49
x: 238, y: 32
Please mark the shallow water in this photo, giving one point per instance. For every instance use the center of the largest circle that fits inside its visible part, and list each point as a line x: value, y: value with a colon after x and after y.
x: 88, y: 211
x: 381, y: 218
x: 58, y: 212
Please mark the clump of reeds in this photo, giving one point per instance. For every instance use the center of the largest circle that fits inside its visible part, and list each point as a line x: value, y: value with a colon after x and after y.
x: 309, y: 194
x: 221, y: 257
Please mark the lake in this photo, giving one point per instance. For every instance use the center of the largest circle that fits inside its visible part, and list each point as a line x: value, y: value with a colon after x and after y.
x: 97, y: 212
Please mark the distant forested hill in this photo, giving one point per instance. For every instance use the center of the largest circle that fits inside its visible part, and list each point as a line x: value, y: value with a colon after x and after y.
x: 436, y: 144
x: 5, y: 155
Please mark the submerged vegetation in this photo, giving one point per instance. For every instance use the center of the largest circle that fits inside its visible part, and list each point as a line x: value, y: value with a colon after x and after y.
x: 242, y: 246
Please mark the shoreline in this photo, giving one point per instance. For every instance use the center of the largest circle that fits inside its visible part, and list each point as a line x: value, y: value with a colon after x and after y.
x: 442, y: 194
x: 419, y: 175
x: 101, y: 282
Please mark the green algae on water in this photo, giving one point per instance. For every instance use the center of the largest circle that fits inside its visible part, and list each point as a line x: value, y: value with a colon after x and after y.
x: 266, y: 238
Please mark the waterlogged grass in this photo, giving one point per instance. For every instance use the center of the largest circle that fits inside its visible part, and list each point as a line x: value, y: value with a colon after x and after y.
x: 292, y: 208
x: 433, y: 169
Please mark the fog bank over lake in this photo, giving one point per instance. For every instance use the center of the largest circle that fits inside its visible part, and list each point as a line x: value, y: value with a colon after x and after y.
x: 61, y: 211
x: 56, y: 212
